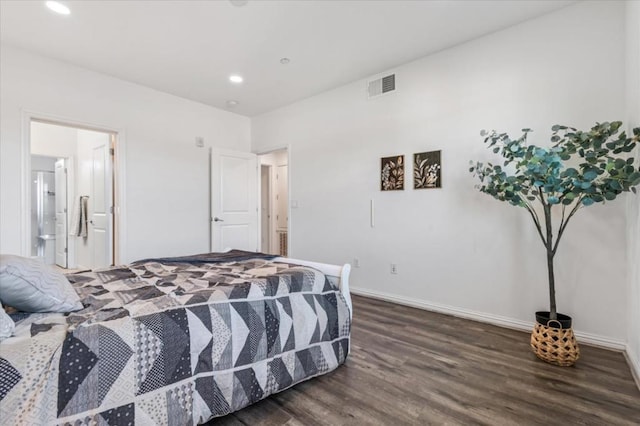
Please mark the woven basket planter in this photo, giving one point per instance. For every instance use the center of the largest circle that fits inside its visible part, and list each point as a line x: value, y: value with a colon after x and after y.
x: 555, y: 345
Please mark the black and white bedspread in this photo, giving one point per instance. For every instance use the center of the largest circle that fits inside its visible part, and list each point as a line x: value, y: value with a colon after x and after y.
x: 172, y: 343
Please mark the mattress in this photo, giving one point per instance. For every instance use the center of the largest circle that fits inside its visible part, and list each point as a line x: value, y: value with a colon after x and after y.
x: 173, y: 342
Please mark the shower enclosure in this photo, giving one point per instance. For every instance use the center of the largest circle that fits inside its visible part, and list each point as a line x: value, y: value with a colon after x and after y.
x: 43, y: 215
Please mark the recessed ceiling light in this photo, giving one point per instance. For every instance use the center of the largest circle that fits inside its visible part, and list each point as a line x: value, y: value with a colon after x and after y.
x: 285, y: 61
x: 58, y: 7
x: 236, y: 78
x: 232, y: 104
x: 239, y: 3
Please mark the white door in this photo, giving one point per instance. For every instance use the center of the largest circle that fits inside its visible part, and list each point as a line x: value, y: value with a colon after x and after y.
x: 100, y: 206
x: 234, y: 199
x: 61, y: 212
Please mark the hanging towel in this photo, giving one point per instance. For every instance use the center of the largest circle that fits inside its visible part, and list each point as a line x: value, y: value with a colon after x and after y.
x: 84, y: 203
x: 79, y: 218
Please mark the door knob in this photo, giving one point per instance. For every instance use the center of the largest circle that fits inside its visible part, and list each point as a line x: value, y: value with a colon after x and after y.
x: 217, y: 219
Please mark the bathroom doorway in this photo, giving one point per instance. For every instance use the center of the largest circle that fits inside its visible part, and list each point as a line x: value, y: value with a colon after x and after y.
x: 72, y: 195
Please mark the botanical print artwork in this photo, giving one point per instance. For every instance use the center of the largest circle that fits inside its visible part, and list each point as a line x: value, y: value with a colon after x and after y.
x: 427, y: 170
x: 392, y: 173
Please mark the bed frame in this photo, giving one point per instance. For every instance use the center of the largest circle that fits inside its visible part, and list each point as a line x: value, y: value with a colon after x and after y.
x: 339, y: 273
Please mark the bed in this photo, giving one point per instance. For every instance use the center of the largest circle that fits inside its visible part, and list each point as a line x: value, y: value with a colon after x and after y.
x: 176, y: 341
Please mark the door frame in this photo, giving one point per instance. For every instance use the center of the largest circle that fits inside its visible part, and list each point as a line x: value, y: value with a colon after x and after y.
x: 66, y: 166
x: 269, y: 173
x: 290, y: 221
x: 119, y: 224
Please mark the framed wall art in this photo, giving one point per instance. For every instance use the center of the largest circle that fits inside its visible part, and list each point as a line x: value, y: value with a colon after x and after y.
x: 427, y: 170
x: 392, y: 173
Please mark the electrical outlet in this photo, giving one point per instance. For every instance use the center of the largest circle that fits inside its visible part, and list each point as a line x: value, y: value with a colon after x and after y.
x: 356, y: 262
x: 394, y: 268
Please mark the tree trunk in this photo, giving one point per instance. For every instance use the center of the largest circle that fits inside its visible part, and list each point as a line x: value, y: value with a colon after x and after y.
x: 552, y: 287
x: 552, y: 281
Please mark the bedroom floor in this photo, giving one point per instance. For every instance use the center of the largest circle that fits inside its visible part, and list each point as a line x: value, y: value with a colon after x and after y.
x: 409, y: 366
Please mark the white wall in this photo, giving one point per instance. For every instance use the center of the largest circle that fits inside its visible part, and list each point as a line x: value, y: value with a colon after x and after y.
x: 275, y: 158
x: 53, y: 141
x: 43, y: 163
x: 633, y: 223
x: 166, y: 174
x: 457, y: 248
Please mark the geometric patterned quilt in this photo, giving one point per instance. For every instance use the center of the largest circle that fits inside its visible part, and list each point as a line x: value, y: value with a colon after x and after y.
x: 172, y: 344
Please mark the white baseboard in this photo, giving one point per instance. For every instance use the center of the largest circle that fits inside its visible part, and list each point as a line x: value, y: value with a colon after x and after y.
x: 634, y: 364
x: 587, y: 338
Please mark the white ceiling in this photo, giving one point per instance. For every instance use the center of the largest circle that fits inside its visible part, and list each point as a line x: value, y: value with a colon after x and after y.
x: 189, y: 48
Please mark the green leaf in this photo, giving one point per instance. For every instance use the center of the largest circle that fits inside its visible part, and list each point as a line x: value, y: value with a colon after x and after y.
x: 571, y: 172
x: 610, y: 196
x: 590, y: 175
x: 587, y: 201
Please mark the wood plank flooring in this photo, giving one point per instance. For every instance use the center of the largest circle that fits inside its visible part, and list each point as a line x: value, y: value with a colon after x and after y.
x: 412, y: 367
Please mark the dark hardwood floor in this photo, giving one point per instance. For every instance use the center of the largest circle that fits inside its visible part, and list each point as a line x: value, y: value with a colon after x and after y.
x: 409, y: 366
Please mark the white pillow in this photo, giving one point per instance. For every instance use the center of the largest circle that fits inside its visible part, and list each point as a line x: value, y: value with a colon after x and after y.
x: 6, y: 325
x: 31, y: 286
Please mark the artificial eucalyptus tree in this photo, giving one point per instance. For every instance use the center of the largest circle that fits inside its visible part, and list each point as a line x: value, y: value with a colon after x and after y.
x: 580, y: 168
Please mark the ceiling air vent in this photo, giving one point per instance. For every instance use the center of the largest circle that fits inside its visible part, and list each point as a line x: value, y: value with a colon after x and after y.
x: 381, y: 86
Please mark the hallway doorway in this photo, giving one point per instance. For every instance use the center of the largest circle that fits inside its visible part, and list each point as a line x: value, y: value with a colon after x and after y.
x: 274, y: 202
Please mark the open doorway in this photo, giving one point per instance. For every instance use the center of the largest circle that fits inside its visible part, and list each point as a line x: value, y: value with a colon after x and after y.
x: 274, y: 202
x: 72, y: 195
